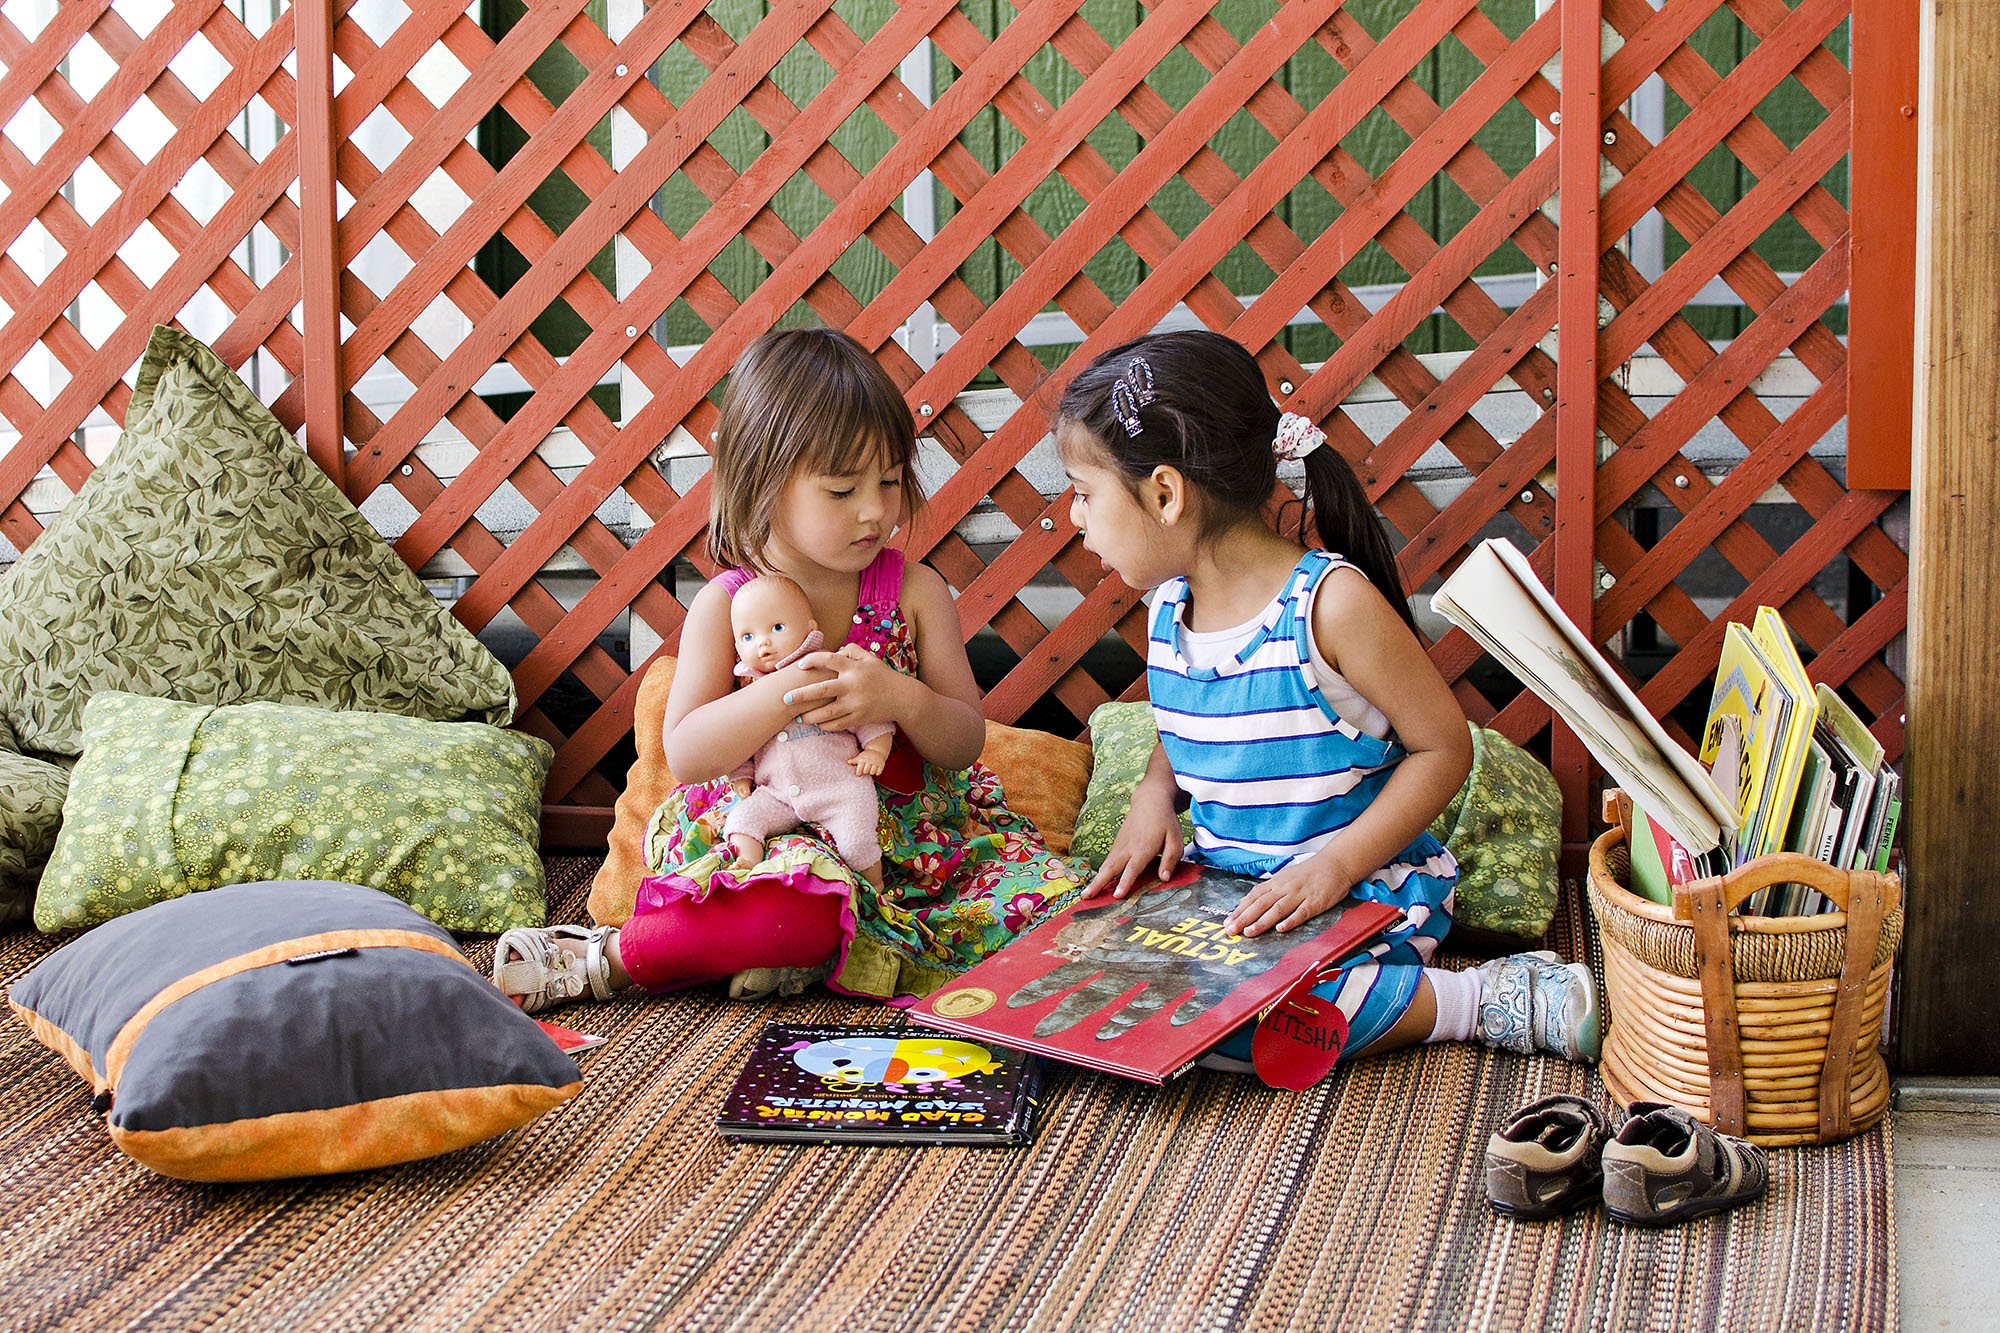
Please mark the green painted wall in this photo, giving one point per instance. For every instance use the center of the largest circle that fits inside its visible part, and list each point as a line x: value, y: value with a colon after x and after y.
x: 1441, y: 208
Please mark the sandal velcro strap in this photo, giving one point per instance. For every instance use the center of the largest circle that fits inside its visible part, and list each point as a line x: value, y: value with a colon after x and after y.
x: 531, y: 966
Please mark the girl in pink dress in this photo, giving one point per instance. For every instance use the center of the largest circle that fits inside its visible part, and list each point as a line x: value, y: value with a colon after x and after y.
x: 814, y: 472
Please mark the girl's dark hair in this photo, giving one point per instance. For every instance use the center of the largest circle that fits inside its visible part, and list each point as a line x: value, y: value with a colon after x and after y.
x: 1211, y: 418
x: 800, y: 400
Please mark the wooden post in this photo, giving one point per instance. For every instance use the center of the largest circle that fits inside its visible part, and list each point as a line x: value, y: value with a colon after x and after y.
x: 1949, y: 1009
x: 1882, y: 251
x: 319, y: 239
x: 1579, y: 151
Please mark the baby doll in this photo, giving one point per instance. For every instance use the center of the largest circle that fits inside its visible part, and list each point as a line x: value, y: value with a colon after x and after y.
x: 802, y: 773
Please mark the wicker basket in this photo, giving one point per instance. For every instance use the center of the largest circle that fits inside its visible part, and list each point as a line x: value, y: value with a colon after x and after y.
x: 1791, y: 1007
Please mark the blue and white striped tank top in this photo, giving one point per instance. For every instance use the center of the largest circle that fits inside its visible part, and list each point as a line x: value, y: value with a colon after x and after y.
x: 1271, y: 768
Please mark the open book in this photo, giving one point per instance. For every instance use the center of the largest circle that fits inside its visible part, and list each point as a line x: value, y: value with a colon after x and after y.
x: 1495, y: 597
x: 1141, y: 986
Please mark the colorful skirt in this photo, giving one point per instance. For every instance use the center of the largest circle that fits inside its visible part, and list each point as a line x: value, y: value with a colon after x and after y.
x: 962, y: 876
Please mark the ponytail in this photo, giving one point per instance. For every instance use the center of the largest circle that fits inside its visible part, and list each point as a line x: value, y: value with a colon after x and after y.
x: 1347, y: 525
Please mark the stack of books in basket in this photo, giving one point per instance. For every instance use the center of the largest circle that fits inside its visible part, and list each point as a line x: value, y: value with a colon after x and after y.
x: 1785, y: 765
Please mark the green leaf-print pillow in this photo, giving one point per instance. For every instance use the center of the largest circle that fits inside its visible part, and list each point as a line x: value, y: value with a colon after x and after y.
x: 1122, y: 737
x: 209, y: 560
x: 29, y: 815
x: 172, y: 798
x: 1505, y: 828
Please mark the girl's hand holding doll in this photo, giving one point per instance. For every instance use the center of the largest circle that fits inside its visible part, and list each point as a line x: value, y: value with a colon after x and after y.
x: 855, y: 688
x: 937, y: 710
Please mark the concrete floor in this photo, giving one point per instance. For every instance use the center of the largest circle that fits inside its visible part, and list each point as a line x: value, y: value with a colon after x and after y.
x: 1947, y: 1143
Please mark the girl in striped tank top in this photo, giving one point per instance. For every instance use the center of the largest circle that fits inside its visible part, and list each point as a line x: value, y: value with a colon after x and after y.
x: 1300, y: 716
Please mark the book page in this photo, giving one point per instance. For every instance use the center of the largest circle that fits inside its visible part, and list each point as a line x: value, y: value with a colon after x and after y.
x: 1495, y: 597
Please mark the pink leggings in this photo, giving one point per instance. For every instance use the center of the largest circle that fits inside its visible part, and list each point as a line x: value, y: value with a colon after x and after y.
x: 766, y: 923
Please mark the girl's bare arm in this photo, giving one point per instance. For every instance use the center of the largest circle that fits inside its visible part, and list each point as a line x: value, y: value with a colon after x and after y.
x: 1149, y: 841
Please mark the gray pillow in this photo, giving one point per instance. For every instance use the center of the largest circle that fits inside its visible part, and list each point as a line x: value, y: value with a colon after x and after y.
x: 209, y: 560
x: 288, y: 1029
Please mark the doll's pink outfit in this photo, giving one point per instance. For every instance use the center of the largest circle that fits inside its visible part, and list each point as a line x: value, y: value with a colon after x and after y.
x: 802, y: 776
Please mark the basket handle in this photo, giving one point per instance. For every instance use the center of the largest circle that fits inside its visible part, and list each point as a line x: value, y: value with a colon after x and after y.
x: 1787, y: 868
x: 1868, y: 903
x: 1865, y: 895
x: 1706, y: 903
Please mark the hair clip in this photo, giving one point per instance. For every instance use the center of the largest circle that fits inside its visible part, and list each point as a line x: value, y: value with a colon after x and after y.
x: 1297, y: 436
x: 1133, y: 391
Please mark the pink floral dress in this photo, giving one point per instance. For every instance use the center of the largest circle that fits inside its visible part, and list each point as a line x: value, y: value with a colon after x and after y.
x: 963, y: 874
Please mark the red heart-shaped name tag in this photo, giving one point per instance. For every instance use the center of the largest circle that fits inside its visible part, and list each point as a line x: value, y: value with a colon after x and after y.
x: 1299, y: 1038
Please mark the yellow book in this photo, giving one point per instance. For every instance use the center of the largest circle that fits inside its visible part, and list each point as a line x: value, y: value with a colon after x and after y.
x: 1775, y: 638
x: 1748, y: 687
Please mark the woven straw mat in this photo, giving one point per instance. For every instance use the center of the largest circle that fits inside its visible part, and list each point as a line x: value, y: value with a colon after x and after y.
x: 1211, y: 1203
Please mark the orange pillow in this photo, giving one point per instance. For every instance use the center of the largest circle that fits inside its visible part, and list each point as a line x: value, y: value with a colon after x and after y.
x: 1043, y: 776
x: 616, y: 887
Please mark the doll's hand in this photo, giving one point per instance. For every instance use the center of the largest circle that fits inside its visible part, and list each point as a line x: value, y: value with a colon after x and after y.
x: 1292, y: 897
x: 867, y: 763
x: 862, y: 690
x: 1148, y: 846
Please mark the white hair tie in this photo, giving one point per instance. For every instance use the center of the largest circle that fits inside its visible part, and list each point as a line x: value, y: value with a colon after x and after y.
x: 1297, y: 437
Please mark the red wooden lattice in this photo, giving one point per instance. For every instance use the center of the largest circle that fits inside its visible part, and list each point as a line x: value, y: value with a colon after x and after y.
x: 1566, y: 482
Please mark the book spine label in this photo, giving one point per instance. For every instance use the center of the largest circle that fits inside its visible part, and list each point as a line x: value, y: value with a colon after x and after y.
x: 1888, y: 838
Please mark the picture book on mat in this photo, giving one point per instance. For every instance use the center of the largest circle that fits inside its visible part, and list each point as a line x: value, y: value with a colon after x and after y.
x: 1140, y: 986
x: 854, y: 1084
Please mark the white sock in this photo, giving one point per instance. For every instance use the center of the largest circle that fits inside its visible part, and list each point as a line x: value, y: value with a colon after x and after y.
x: 1457, y: 1002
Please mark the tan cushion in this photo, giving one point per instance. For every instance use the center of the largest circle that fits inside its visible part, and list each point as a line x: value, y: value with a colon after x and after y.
x: 616, y: 887
x: 1044, y: 778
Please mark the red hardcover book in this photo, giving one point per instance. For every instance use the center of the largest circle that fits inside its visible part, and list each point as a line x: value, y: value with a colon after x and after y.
x: 569, y: 1039
x: 1141, y: 986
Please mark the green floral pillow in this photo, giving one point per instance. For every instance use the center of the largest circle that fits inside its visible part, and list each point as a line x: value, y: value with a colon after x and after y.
x: 209, y: 560
x: 29, y: 816
x: 1122, y: 737
x: 172, y: 798
x: 1505, y: 828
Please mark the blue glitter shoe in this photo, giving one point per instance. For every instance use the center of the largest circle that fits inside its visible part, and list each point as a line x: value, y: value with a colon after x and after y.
x: 1535, y: 1002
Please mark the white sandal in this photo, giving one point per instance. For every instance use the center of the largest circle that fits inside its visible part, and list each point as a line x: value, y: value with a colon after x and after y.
x: 542, y: 974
